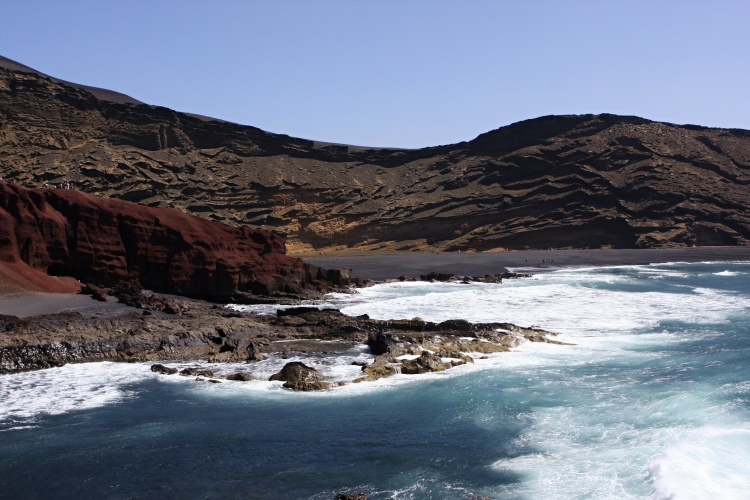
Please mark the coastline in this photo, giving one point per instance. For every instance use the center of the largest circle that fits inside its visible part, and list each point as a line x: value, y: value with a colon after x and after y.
x: 565, y: 408
x: 56, y: 329
x: 384, y: 266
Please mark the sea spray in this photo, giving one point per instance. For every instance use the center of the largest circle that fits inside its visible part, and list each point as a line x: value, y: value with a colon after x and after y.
x: 652, y: 399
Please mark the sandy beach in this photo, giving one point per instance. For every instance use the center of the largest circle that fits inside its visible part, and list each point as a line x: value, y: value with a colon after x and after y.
x: 385, y: 266
x: 26, y: 304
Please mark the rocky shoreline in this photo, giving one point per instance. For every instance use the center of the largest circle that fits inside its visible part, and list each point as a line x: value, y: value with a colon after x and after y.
x: 190, y: 333
x: 166, y: 329
x: 193, y: 267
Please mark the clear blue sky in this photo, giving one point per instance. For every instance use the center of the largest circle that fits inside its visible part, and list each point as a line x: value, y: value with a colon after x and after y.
x: 405, y: 73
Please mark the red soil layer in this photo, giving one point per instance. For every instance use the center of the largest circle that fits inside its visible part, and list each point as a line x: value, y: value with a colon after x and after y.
x: 18, y: 277
x: 103, y: 241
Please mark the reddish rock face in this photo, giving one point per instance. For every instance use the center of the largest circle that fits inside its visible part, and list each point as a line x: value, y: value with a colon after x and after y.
x: 104, y: 241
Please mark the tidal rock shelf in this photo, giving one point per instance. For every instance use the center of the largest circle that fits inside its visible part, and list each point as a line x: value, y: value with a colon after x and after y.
x: 202, y: 333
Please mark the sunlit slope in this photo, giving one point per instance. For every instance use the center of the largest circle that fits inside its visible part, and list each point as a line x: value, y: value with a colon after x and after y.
x: 555, y: 181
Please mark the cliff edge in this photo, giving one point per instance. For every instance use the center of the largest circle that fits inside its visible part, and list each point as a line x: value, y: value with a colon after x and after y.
x: 63, y: 232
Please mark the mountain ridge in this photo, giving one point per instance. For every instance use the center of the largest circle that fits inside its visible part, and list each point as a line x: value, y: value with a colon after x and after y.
x: 565, y: 181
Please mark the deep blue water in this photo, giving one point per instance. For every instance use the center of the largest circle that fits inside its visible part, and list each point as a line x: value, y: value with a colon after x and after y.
x: 651, y: 401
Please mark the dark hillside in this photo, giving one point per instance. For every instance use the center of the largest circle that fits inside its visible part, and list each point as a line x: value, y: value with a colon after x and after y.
x: 555, y: 181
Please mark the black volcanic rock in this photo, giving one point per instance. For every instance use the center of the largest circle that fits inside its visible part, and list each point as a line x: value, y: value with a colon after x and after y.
x: 300, y: 377
x: 555, y: 181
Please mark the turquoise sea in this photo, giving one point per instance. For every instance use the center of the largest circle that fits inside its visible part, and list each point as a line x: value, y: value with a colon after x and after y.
x: 651, y: 400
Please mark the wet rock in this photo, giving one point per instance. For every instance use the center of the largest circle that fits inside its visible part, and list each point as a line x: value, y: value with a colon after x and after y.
x: 351, y: 496
x: 456, y: 324
x: 253, y: 352
x: 300, y: 377
x: 510, y: 275
x: 487, y: 278
x: 427, y: 362
x: 159, y: 368
x: 380, y: 342
x: 207, y: 334
x: 191, y: 371
x: 297, y: 311
x: 383, y: 366
x: 240, y: 377
x: 433, y: 276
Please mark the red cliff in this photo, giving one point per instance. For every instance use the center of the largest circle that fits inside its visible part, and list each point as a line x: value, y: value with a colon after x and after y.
x: 103, y: 241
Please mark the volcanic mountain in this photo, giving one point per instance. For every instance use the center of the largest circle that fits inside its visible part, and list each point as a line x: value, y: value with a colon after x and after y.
x: 555, y: 181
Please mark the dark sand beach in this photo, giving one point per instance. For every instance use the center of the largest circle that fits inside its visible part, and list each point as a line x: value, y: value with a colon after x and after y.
x: 25, y: 304
x: 385, y: 266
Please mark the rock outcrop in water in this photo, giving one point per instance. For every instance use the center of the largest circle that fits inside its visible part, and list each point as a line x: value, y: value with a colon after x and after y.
x: 300, y: 377
x: 214, y: 334
x: 106, y: 241
x: 556, y: 181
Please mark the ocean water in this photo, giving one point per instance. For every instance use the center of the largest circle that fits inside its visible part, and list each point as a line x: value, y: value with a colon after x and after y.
x: 650, y: 400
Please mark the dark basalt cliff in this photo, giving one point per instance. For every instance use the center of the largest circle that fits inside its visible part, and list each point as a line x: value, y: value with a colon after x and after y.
x: 104, y: 241
x: 556, y: 181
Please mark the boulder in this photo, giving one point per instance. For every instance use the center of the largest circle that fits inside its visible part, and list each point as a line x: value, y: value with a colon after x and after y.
x: 300, y: 377
x: 510, y: 275
x: 241, y: 377
x: 159, y: 368
x: 380, y: 342
x: 354, y: 495
x: 381, y: 367
x: 253, y: 352
x: 196, y: 372
x: 460, y: 325
x: 427, y: 362
x: 433, y: 276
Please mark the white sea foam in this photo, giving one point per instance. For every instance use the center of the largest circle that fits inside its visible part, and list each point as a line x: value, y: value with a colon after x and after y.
x: 561, y: 303
x: 271, y: 309
x: 597, y: 427
x: 601, y: 440
x: 26, y: 396
x: 709, y: 462
x: 729, y: 273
